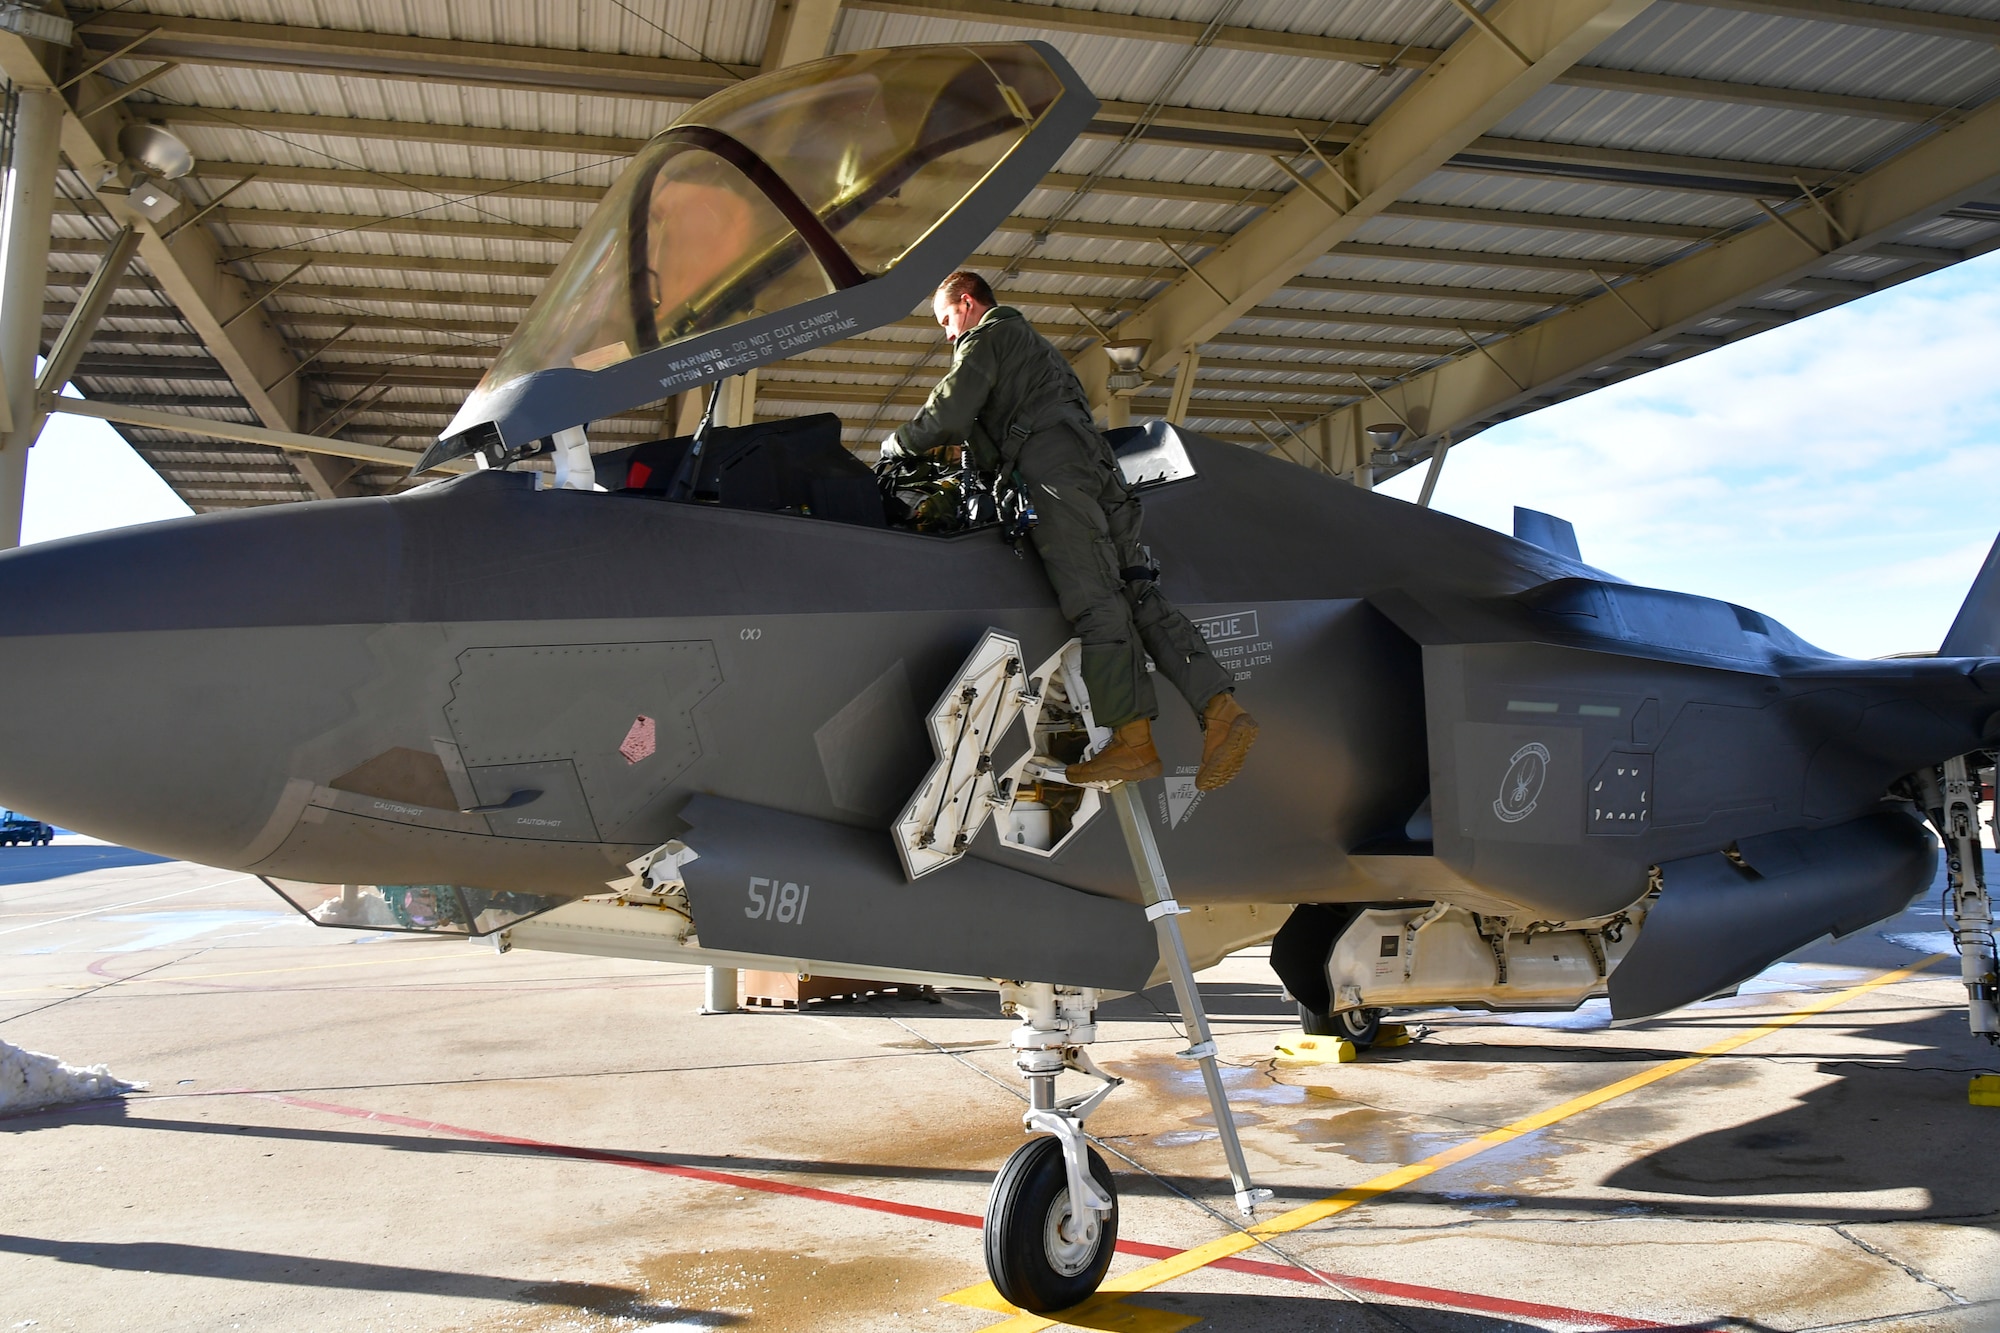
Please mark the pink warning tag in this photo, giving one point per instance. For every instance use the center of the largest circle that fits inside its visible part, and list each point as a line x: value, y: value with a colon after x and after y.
x: 640, y: 741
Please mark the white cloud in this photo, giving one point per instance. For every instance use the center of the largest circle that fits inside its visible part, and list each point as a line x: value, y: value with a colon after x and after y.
x: 83, y: 478
x: 1841, y: 474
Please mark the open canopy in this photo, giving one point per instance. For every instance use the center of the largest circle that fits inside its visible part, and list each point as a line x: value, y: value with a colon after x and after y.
x: 795, y: 208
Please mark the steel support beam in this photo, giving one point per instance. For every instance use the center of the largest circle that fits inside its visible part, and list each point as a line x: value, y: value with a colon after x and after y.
x: 67, y: 350
x: 1176, y: 32
x: 1511, y: 375
x: 1271, y: 41
x: 454, y: 188
x: 371, y: 55
x: 397, y: 56
x: 801, y: 30
x: 1241, y: 132
x: 186, y: 265
x: 1922, y: 22
x: 24, y: 264
x: 186, y: 423
x: 1475, y: 84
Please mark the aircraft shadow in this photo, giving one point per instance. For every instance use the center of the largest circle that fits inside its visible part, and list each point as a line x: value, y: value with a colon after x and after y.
x: 300, y: 1270
x: 1226, y: 1001
x: 1900, y: 1121
x: 1333, y: 1313
x: 32, y: 865
x: 1515, y: 1053
x: 118, y: 1112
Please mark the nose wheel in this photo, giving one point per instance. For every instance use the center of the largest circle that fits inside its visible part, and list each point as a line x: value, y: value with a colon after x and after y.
x: 1052, y: 1220
x: 1044, y: 1250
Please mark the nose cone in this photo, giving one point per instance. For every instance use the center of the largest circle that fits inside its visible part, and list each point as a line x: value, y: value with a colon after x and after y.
x: 158, y: 679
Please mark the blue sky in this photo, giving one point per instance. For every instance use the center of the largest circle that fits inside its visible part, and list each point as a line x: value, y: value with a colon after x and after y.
x: 1841, y: 474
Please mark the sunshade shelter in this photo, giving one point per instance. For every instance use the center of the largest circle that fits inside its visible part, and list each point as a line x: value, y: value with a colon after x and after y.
x: 1343, y: 231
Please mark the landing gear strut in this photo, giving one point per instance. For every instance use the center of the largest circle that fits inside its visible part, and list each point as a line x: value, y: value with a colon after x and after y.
x: 1052, y: 1220
x: 1952, y: 797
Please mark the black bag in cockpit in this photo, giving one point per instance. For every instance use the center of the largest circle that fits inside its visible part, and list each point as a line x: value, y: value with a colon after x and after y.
x: 797, y: 465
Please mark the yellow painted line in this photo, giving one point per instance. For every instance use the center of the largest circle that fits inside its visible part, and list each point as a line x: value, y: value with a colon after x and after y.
x: 1188, y: 1261
x: 1102, y: 1314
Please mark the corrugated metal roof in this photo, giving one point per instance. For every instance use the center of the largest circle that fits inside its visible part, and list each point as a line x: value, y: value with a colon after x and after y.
x: 394, y: 234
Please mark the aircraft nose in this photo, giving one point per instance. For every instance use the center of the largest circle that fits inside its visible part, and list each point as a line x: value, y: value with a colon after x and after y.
x: 160, y: 679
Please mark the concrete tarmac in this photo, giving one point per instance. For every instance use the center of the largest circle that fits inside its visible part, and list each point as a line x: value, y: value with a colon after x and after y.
x: 363, y: 1131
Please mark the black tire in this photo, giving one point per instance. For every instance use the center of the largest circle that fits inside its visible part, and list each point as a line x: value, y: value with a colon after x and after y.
x: 1360, y: 1026
x: 1025, y: 1255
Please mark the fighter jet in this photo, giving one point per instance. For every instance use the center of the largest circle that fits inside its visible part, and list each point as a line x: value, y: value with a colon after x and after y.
x: 722, y: 699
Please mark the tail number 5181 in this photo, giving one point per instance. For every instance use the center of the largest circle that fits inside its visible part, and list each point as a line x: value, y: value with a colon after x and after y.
x: 772, y: 900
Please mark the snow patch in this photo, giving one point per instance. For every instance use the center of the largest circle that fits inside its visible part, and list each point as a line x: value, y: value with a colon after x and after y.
x: 30, y: 1081
x: 1923, y: 941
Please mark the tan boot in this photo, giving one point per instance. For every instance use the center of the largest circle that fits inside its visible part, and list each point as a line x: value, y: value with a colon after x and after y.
x: 1227, y: 733
x: 1129, y: 758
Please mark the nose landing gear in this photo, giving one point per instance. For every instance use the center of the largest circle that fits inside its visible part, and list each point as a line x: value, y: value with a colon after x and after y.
x: 1052, y: 1220
x: 1951, y: 794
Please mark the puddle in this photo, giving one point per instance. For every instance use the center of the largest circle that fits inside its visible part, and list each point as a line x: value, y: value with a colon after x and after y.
x: 1182, y: 1078
x: 1371, y: 1136
x: 1181, y: 1138
x: 777, y: 1291
x: 1383, y: 1138
x: 1479, y: 1202
x: 754, y: 1291
x: 1508, y: 1172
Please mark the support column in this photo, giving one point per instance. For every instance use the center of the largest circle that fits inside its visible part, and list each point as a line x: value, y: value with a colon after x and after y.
x: 1437, y: 466
x: 718, y: 994
x: 688, y: 410
x: 29, y: 202
x: 741, y: 402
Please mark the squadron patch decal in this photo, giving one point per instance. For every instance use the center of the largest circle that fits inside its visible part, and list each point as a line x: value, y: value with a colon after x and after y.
x: 1527, y: 770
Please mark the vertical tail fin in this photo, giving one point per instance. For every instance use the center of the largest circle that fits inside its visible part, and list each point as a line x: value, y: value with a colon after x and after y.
x: 1976, y: 631
x: 1546, y: 531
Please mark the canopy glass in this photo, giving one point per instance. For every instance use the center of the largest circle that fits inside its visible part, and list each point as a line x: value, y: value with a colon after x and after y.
x: 789, y: 187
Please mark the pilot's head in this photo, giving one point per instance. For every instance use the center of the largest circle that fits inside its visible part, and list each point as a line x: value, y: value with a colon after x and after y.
x: 962, y: 300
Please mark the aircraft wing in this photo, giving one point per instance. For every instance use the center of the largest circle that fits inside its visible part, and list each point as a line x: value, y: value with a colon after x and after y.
x: 798, y: 208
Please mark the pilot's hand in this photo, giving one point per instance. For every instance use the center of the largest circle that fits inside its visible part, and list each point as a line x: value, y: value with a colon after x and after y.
x: 892, y: 448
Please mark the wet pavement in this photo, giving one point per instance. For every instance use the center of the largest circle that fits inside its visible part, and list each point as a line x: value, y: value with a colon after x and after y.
x: 349, y: 1130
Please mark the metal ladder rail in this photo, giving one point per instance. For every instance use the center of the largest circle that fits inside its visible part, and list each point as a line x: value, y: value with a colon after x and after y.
x: 1163, y: 911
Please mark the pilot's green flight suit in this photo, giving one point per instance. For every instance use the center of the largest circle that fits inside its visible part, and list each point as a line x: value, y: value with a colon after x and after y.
x: 1012, y: 397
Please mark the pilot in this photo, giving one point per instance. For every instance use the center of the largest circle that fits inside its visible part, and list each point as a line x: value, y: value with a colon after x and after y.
x: 1011, y: 396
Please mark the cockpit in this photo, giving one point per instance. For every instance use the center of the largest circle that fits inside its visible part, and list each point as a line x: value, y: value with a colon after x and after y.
x: 791, y: 211
x: 799, y: 466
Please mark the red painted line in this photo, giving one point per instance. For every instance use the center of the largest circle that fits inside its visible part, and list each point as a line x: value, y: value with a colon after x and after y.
x: 1461, y: 1300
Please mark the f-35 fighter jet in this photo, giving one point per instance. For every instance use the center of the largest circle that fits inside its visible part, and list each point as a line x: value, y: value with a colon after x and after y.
x: 702, y: 700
